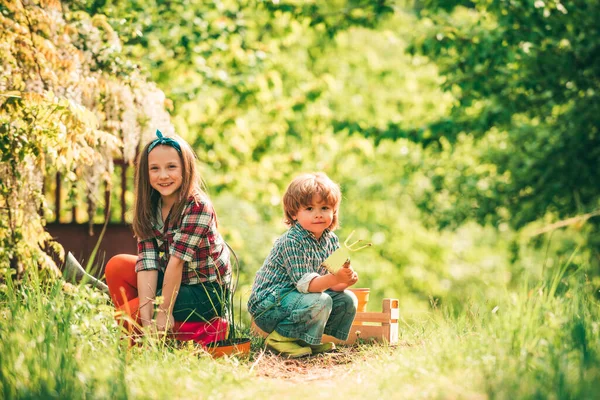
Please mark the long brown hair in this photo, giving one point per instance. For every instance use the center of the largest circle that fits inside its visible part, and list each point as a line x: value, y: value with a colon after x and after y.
x: 146, y: 198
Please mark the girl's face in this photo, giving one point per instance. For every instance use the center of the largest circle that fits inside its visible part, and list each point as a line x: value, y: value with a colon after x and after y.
x: 315, y: 217
x: 165, y: 171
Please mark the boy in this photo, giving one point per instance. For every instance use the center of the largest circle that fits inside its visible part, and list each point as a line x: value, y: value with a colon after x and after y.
x: 293, y: 296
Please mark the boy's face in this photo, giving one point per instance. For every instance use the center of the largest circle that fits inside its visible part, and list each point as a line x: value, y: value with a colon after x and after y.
x: 315, y: 217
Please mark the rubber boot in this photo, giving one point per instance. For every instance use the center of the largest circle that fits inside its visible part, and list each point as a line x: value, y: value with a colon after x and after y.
x: 319, y: 348
x: 285, y: 346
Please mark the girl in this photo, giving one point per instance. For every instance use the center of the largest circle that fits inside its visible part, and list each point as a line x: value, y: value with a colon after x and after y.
x: 181, y: 256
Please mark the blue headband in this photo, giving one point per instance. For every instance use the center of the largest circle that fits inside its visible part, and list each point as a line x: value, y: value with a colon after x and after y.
x: 164, y: 140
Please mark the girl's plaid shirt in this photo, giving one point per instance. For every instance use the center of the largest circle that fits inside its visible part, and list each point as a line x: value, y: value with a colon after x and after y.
x: 195, y: 240
x: 294, y: 261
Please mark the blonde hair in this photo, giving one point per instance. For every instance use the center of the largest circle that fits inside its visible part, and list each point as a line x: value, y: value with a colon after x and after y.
x: 300, y: 193
x: 146, y: 197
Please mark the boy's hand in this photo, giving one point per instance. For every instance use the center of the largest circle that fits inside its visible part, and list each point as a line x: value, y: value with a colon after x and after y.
x: 354, y: 279
x: 345, y: 274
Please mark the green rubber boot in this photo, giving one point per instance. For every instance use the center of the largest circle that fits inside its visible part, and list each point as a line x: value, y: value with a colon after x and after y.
x: 319, y: 348
x: 285, y: 346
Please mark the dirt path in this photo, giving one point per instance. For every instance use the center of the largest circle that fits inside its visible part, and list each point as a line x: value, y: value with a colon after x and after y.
x: 323, y: 367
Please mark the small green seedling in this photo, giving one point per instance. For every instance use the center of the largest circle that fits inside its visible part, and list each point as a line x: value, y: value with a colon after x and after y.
x: 341, y: 256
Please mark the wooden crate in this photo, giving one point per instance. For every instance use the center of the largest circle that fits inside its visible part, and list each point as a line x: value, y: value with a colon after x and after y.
x: 378, y: 326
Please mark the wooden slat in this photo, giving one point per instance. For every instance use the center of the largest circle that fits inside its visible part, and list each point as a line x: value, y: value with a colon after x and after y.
x: 392, y: 306
x: 107, y: 210
x: 57, y: 199
x: 366, y: 332
x: 373, y: 317
x: 123, y: 190
x: 41, y: 209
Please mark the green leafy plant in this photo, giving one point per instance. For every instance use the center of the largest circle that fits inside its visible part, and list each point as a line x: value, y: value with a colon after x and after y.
x: 69, y: 103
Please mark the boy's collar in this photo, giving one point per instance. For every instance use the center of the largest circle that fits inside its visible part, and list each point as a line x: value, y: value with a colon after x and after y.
x: 308, y: 233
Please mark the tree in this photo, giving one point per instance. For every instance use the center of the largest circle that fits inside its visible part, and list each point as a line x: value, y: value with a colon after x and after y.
x: 526, y: 78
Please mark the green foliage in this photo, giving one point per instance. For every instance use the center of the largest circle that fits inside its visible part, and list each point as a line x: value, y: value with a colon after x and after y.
x: 333, y: 16
x: 274, y: 112
x: 264, y: 90
x: 57, y: 344
x: 525, y: 78
x: 34, y: 133
x: 538, y: 340
x: 63, y: 341
x: 68, y: 104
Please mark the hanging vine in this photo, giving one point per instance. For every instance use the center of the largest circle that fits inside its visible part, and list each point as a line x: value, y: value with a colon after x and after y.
x: 69, y: 103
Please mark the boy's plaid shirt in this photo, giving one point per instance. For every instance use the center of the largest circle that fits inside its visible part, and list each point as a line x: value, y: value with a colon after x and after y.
x: 195, y: 240
x: 293, y: 263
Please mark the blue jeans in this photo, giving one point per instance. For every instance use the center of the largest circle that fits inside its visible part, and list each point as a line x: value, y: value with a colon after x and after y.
x: 306, y: 316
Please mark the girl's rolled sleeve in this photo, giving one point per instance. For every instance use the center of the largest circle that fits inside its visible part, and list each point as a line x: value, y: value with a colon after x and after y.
x: 148, y: 257
x: 194, y: 228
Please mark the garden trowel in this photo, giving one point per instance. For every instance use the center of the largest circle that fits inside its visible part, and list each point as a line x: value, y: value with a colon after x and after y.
x: 73, y: 272
x: 338, y: 258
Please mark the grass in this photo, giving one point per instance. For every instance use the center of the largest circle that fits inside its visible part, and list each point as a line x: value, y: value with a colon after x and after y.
x: 539, y: 341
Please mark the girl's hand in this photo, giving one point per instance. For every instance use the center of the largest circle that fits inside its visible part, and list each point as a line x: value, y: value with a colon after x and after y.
x: 164, y: 321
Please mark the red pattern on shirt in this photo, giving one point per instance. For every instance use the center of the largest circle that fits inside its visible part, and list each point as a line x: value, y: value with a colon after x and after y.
x: 193, y: 239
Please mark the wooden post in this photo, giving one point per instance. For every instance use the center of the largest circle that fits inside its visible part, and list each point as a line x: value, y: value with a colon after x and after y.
x: 74, y: 214
x: 57, y: 199
x: 390, y: 329
x: 376, y: 326
x: 107, y: 210
x: 123, y: 189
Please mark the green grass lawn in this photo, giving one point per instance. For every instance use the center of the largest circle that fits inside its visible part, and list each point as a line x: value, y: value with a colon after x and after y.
x: 539, y: 341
